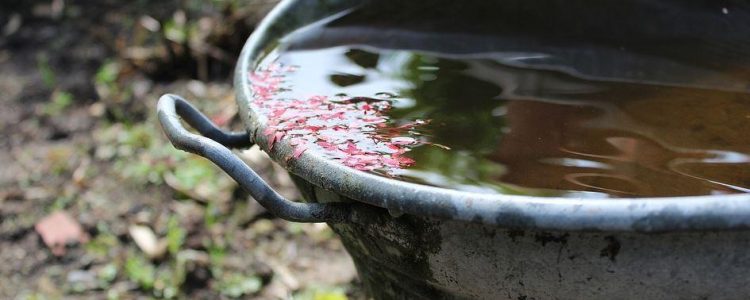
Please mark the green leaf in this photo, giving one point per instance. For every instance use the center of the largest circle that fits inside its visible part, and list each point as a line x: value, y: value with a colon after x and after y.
x: 321, y: 293
x: 175, y: 32
x: 216, y: 254
x: 175, y: 235
x: 140, y: 271
x: 210, y: 215
x: 107, y: 274
x: 237, y: 285
x: 330, y: 296
x: 194, y: 171
x: 107, y: 73
x: 48, y: 76
x: 60, y: 101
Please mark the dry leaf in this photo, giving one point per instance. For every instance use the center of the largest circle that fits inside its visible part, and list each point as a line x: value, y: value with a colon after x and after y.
x: 59, y: 229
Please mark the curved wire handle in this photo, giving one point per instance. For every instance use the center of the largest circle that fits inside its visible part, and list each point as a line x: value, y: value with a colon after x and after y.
x: 213, y: 145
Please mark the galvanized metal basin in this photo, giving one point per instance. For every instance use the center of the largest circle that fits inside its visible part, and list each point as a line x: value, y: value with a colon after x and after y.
x: 418, y: 242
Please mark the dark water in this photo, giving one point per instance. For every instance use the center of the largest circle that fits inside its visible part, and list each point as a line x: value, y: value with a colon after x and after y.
x: 508, y: 97
x: 538, y: 132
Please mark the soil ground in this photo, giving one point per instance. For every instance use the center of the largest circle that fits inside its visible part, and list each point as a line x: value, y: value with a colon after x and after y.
x: 78, y: 85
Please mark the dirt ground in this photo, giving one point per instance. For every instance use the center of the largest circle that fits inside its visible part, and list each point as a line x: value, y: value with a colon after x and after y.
x: 79, y: 82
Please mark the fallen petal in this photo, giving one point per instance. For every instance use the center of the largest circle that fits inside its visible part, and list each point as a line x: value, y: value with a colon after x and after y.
x: 299, y: 150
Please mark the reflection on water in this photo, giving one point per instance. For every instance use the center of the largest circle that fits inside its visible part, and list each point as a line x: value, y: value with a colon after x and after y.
x: 518, y: 130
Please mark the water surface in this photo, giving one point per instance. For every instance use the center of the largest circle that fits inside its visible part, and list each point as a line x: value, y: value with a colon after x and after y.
x: 491, y: 105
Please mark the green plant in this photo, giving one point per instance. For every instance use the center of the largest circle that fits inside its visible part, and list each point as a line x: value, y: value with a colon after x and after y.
x: 61, y: 202
x: 216, y: 255
x: 105, y: 80
x: 48, y: 76
x: 321, y: 293
x: 175, y: 235
x: 60, y: 101
x: 107, y: 73
x: 211, y: 214
x: 166, y: 284
x: 100, y: 246
x: 237, y: 285
x: 107, y: 274
x: 140, y: 271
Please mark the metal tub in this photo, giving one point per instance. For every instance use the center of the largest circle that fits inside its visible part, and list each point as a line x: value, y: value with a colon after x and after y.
x: 412, y: 241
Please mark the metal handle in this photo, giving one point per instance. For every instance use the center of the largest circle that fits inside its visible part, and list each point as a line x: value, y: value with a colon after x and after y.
x: 213, y: 146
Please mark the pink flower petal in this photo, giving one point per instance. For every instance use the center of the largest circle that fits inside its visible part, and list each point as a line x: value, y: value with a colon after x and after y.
x: 299, y: 150
x: 355, y: 131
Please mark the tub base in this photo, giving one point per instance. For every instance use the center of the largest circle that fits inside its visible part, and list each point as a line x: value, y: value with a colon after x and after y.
x: 411, y: 257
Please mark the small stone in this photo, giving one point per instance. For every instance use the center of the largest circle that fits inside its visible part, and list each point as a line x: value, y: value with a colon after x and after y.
x: 97, y: 109
x: 80, y: 280
x: 147, y: 241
